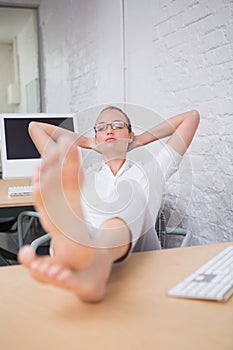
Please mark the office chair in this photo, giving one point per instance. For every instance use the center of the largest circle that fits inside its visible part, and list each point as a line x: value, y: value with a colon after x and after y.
x: 8, y: 245
x: 162, y: 230
x: 16, y: 232
x: 41, y: 244
x: 7, y: 223
x: 165, y: 233
x: 30, y: 229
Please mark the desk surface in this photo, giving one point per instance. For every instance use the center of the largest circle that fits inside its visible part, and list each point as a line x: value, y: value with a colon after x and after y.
x: 17, y: 201
x: 136, y: 313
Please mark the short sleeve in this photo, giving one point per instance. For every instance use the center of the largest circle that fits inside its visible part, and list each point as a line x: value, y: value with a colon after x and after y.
x: 168, y: 160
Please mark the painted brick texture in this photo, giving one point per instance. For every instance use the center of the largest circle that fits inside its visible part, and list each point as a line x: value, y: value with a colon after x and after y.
x: 179, y: 56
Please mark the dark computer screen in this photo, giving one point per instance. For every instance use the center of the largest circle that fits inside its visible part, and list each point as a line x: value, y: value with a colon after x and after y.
x: 18, y: 142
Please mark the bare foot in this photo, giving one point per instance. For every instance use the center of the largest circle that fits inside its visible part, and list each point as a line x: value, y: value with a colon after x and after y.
x: 57, y: 186
x: 88, y: 284
x: 76, y: 265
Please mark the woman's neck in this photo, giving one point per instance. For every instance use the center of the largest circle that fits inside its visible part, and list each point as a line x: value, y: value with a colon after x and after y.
x: 115, y: 165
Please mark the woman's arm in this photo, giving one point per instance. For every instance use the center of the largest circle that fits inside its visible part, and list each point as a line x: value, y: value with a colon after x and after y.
x: 40, y: 132
x: 181, y: 129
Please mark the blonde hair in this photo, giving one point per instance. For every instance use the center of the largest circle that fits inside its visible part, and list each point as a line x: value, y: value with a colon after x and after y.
x: 121, y: 111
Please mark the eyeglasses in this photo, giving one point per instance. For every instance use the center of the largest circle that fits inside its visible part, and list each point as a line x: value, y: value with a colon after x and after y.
x: 115, y: 125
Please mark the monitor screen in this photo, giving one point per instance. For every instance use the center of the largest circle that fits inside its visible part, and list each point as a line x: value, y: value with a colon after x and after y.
x: 19, y: 154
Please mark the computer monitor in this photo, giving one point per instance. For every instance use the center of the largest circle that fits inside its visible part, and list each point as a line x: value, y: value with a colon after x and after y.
x: 19, y: 154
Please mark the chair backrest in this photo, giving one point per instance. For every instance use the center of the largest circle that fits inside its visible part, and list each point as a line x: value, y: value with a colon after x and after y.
x: 162, y: 230
x: 6, y: 223
x: 160, y: 227
x: 29, y: 227
x: 9, y: 247
x: 166, y: 234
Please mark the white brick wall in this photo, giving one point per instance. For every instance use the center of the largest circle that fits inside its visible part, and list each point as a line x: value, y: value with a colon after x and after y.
x: 82, y: 49
x: 186, y: 61
x: 179, y: 56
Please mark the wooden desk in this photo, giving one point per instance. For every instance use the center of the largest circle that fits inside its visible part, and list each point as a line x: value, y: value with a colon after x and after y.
x: 11, y: 206
x: 136, y: 313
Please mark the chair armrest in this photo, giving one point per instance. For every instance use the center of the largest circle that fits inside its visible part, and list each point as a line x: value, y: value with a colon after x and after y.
x: 40, y: 241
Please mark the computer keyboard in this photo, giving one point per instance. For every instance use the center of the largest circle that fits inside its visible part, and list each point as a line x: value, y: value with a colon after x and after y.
x: 212, y: 281
x: 19, y: 190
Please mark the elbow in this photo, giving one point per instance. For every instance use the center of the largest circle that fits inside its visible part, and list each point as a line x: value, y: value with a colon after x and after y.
x: 31, y: 127
x: 195, y: 115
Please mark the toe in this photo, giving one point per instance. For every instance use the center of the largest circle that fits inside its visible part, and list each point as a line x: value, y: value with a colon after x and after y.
x: 26, y: 255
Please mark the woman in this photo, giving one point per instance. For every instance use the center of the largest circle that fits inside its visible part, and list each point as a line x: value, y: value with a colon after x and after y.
x: 91, y: 230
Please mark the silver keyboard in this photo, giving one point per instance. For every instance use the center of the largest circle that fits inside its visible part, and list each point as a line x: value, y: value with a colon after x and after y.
x: 212, y: 281
x: 19, y: 190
